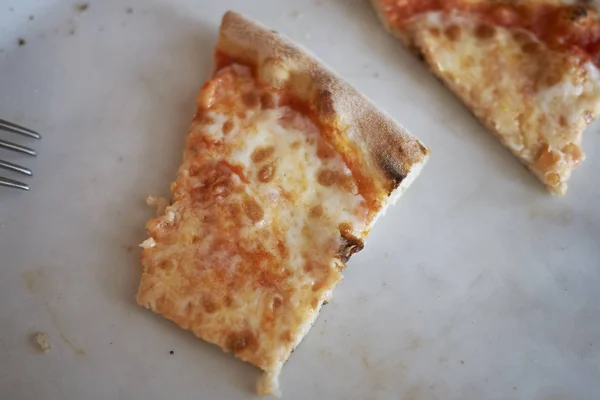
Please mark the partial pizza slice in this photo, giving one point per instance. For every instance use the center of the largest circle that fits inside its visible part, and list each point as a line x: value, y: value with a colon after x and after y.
x: 527, y: 69
x: 285, y: 170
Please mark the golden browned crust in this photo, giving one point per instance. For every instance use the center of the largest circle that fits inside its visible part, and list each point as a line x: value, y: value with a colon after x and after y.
x: 391, y: 152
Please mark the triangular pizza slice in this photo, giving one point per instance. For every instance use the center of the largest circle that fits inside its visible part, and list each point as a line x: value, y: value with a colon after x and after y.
x: 286, y: 167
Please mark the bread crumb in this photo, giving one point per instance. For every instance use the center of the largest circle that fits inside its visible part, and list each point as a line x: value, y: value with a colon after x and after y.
x: 42, y: 341
x: 22, y: 42
x: 148, y: 243
x: 81, y: 7
x: 159, y: 203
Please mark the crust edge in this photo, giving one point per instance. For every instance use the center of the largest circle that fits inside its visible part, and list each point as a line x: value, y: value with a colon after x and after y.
x: 391, y: 152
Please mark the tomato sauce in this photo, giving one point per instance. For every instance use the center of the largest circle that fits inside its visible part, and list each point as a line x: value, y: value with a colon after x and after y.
x: 332, y: 133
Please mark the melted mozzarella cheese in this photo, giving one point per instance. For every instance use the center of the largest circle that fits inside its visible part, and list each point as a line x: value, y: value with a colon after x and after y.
x: 250, y: 248
x: 536, y: 100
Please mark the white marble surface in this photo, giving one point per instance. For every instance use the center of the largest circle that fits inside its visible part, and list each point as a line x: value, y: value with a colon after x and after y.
x: 476, y: 285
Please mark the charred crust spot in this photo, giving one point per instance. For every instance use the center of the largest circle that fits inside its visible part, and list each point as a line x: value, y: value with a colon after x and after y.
x: 240, y: 341
x: 391, y: 171
x: 324, y: 103
x: 350, y: 243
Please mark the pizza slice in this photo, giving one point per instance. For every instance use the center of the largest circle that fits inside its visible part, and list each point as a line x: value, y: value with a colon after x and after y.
x: 527, y: 69
x: 286, y: 168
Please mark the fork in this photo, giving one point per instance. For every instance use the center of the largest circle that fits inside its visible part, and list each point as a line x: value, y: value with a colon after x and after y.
x: 20, y: 130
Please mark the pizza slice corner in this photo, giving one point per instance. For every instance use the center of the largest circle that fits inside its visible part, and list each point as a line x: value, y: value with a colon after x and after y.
x: 527, y: 69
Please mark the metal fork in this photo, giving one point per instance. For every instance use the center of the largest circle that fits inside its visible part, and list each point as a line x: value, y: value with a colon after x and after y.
x: 20, y: 130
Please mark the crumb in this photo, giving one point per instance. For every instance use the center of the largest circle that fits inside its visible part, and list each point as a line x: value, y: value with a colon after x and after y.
x: 11, y: 9
x: 129, y: 248
x: 120, y: 158
x: 22, y: 42
x: 171, y: 352
x: 297, y: 14
x: 376, y: 75
x: 72, y: 32
x: 31, y: 17
x: 129, y: 10
x: 160, y: 203
x: 42, y: 341
x: 81, y: 7
x: 462, y: 362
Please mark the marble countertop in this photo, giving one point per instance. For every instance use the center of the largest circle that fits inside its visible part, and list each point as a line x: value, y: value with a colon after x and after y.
x: 476, y: 285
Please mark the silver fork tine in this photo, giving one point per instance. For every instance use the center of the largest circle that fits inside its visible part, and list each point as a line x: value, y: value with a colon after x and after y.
x: 14, y: 167
x: 21, y: 130
x: 13, y: 184
x: 16, y: 147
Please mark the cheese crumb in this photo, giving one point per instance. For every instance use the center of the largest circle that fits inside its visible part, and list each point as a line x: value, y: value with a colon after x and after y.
x: 159, y: 203
x: 148, y: 243
x: 42, y: 341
